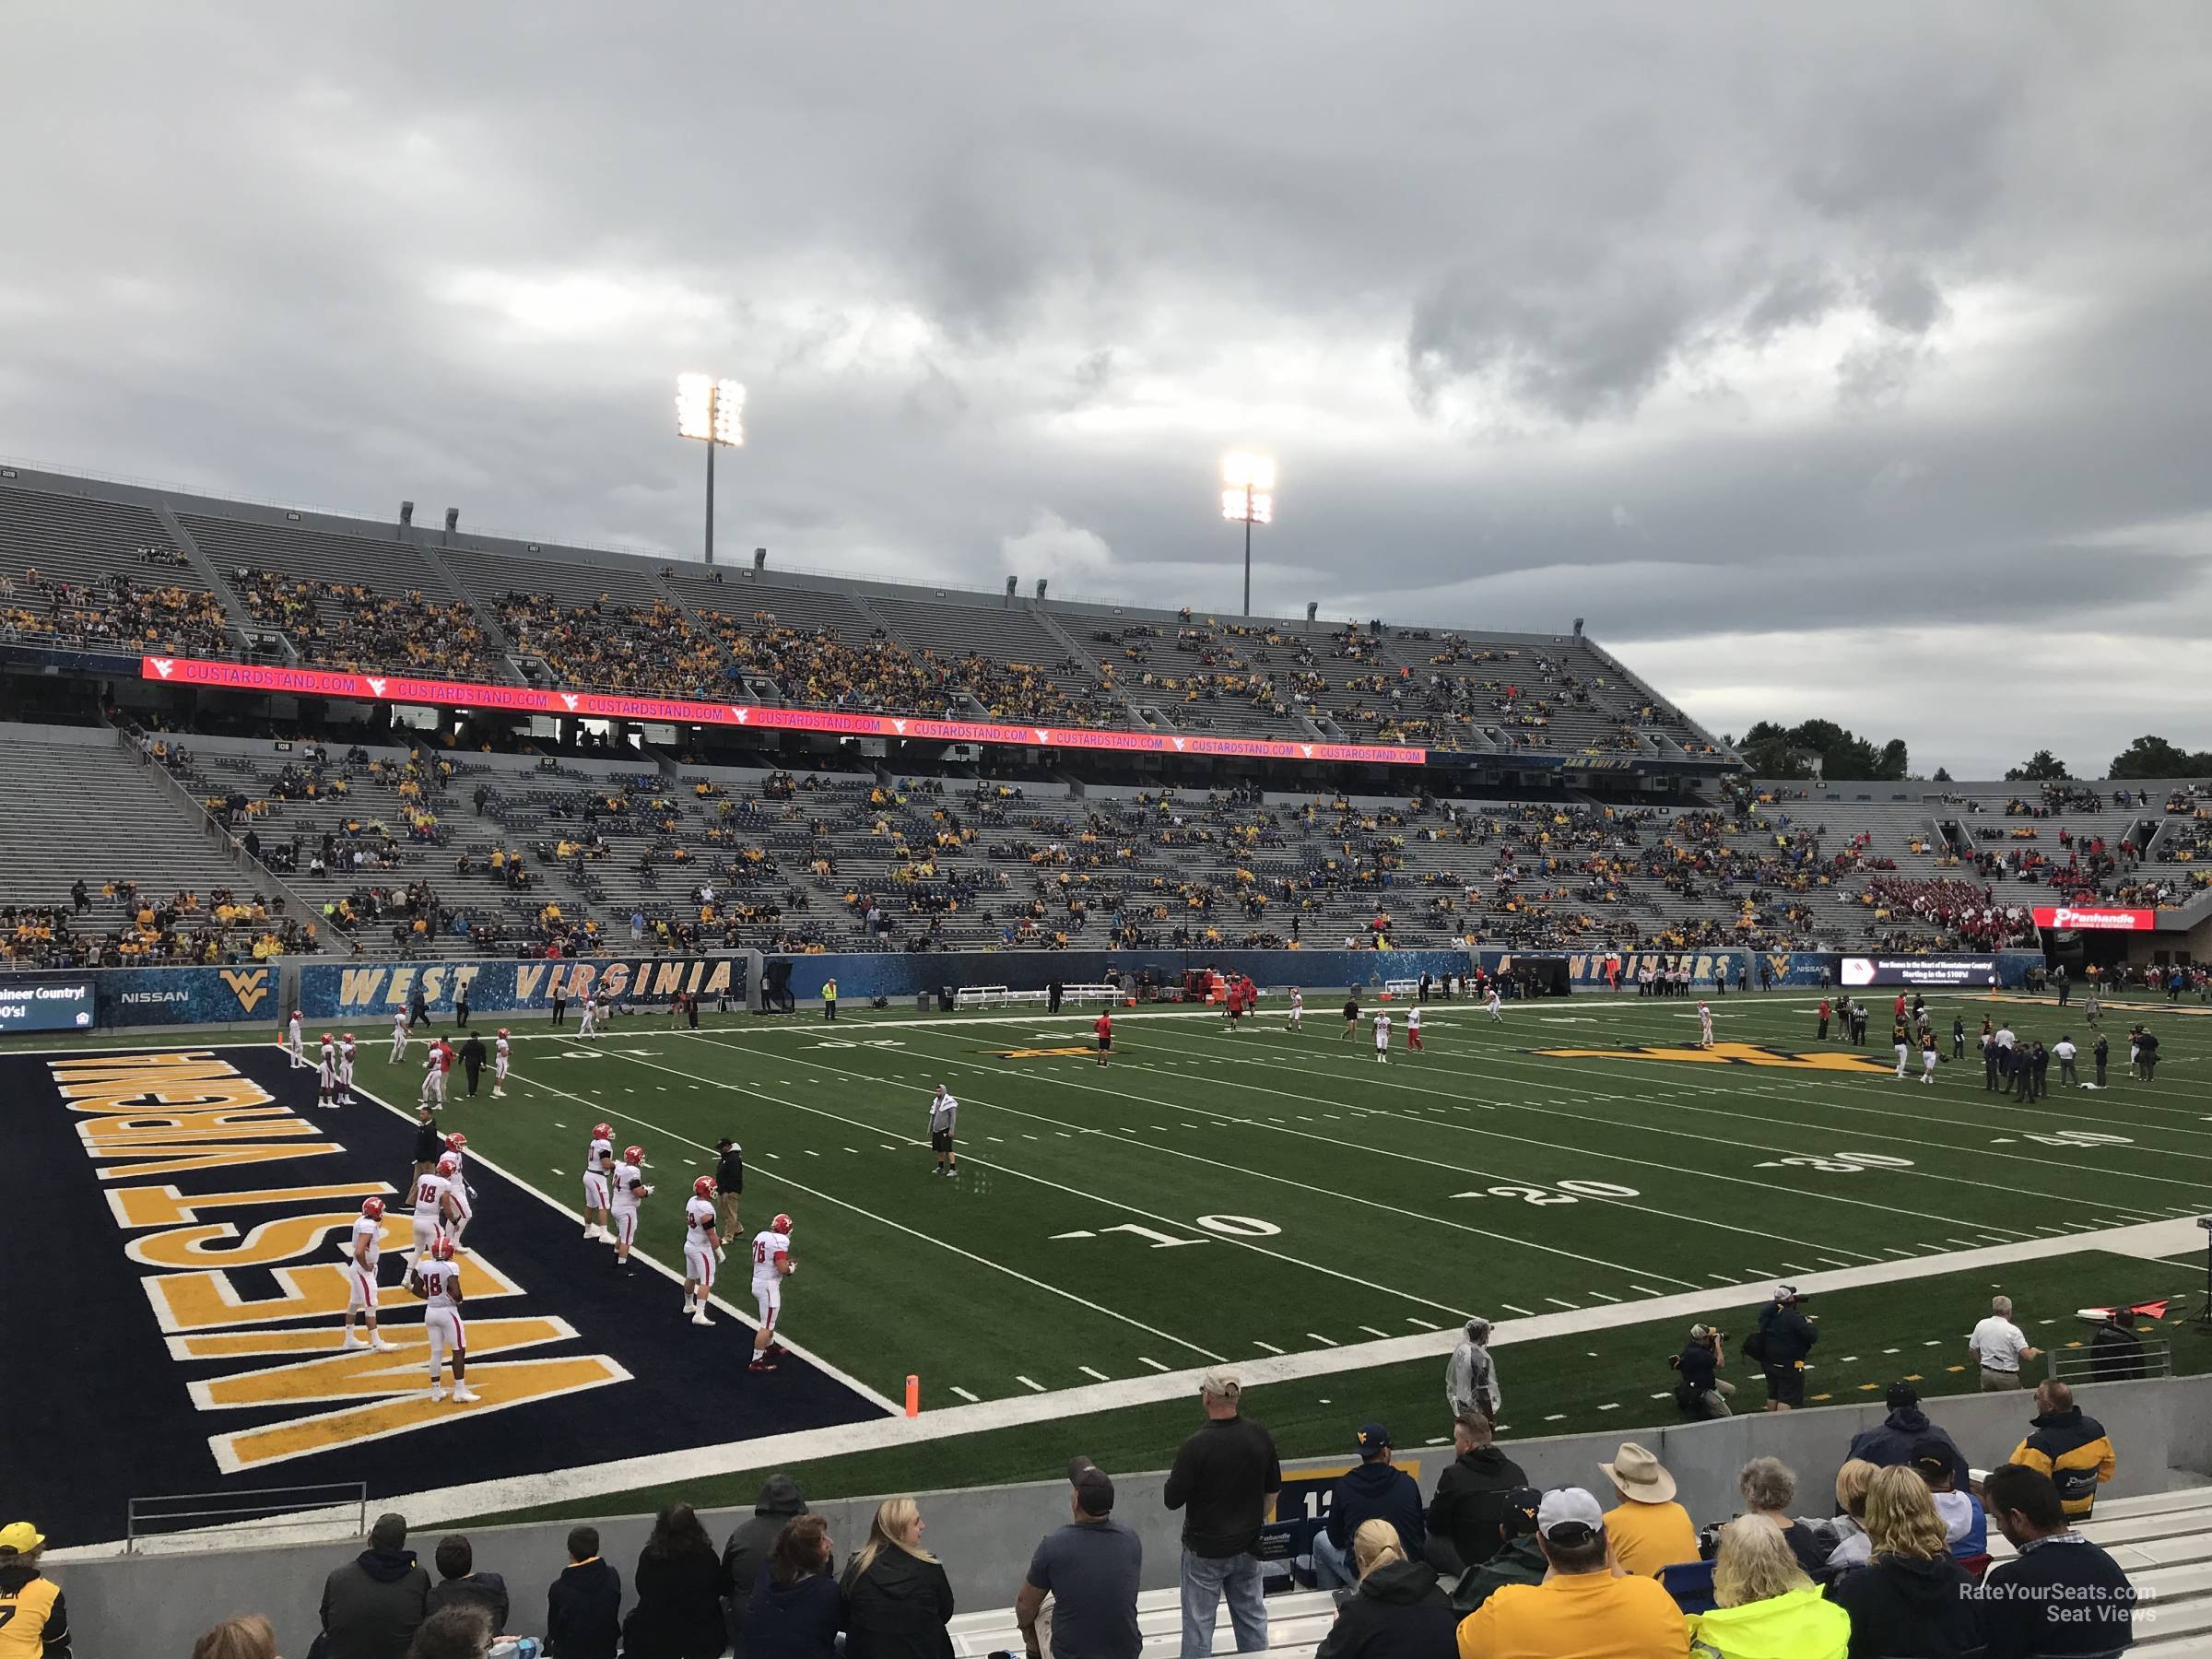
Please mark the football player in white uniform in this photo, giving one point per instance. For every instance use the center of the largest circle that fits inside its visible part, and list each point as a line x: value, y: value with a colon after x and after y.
x: 702, y: 1245
x: 436, y: 1064
x: 772, y: 1264
x: 1496, y: 1004
x: 345, y: 1069
x: 1413, y: 1029
x: 1298, y: 1009
x: 291, y: 1041
x: 1382, y: 1039
x: 361, y: 1255
x: 500, y: 1055
x: 433, y: 1205
x: 630, y: 1191
x: 598, y: 1181
x: 399, y: 1036
x: 590, y: 1027
x: 464, y: 1195
x: 326, y: 1072
x: 438, y: 1281
x: 1704, y: 1026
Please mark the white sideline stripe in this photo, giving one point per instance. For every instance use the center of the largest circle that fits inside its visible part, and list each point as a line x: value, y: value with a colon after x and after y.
x: 440, y: 1506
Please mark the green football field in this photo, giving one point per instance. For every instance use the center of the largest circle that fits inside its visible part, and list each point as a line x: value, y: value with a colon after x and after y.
x: 1218, y: 1195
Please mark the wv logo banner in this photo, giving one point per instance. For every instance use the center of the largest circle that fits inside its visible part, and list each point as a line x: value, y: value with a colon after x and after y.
x: 249, y: 985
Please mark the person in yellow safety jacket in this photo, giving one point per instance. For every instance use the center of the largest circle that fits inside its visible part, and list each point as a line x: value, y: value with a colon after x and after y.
x: 1768, y: 1608
x: 2068, y: 1446
x: 34, y: 1622
x: 829, y: 999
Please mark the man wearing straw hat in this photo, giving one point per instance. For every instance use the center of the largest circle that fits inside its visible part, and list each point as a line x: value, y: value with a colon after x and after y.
x: 1649, y: 1529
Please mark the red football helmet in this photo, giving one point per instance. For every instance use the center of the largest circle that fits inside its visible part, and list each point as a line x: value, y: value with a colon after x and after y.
x: 633, y: 1155
x: 603, y: 1131
x: 328, y: 1040
x: 781, y: 1224
x: 442, y: 1247
x: 448, y: 1165
x: 704, y: 1186
x: 456, y: 1141
x: 502, y: 1031
x: 373, y: 1208
x: 349, y: 1036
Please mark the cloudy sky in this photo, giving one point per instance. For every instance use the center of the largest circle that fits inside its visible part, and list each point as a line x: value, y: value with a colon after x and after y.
x: 1849, y: 361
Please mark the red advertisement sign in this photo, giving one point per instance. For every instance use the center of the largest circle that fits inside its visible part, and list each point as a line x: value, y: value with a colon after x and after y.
x: 529, y: 699
x: 2070, y: 917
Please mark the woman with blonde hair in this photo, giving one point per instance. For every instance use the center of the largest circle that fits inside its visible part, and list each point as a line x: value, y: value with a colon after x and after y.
x: 1766, y: 1609
x: 249, y: 1635
x: 1912, y: 1601
x: 1398, y: 1611
x: 897, y: 1599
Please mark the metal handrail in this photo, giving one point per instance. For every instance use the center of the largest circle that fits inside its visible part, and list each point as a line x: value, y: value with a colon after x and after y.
x: 288, y: 1506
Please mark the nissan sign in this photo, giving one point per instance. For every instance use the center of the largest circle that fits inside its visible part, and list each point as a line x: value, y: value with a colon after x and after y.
x: 2082, y: 917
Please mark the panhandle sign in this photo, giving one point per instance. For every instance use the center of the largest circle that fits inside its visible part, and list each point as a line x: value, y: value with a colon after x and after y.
x: 2065, y: 917
x: 331, y: 991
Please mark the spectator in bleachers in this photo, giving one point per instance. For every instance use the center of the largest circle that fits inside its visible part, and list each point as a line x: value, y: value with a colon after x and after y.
x: 2034, y: 1604
x: 1765, y: 1604
x: 1467, y: 1510
x: 2070, y: 1447
x: 37, y: 1615
x: 249, y: 1635
x: 790, y: 1608
x: 753, y: 1541
x: 1225, y: 1478
x: 1091, y: 1569
x: 1893, y: 1441
x: 1767, y: 1485
x: 1649, y: 1530
x: 1519, y: 1560
x: 1581, y: 1607
x: 373, y: 1604
x: 1912, y: 1601
x: 583, y: 1607
x: 1847, y: 1532
x: 1374, y: 1491
x: 1398, y: 1612
x: 1964, y: 1524
x: 460, y: 1585
x: 896, y: 1598
x: 680, y: 1586
x: 454, y: 1633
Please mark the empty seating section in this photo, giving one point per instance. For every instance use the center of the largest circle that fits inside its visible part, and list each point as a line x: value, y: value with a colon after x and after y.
x: 345, y: 601
x: 153, y: 879
x: 106, y: 574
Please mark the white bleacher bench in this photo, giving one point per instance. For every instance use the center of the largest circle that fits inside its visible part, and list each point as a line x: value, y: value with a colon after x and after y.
x: 1296, y: 1623
x: 1402, y: 987
x: 2164, y: 1542
x: 996, y: 996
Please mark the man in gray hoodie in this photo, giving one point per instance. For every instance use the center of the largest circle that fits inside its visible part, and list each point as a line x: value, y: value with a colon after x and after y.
x: 373, y: 1604
x: 1470, y: 1379
x: 752, y: 1543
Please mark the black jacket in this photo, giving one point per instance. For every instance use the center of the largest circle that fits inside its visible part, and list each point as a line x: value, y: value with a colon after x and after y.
x: 1225, y: 1472
x: 1905, y: 1607
x: 1376, y: 1491
x: 752, y: 1542
x: 429, y: 1141
x: 472, y: 1053
x: 1889, y: 1442
x: 898, y: 1609
x: 2059, y: 1596
x: 729, y: 1171
x: 583, y: 1611
x: 373, y: 1604
x: 1467, y: 1510
x: 1398, y: 1612
x: 678, y: 1615
x: 485, y: 1590
x: 1789, y: 1334
x: 790, y: 1621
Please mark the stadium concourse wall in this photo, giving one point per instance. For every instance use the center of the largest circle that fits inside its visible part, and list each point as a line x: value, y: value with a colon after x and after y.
x: 366, y: 988
x: 159, y: 1601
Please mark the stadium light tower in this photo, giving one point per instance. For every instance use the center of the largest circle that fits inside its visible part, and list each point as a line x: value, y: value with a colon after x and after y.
x: 1250, y: 496
x: 714, y: 412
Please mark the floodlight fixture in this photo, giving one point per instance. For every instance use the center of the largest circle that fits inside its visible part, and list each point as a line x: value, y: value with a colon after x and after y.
x: 1248, y: 501
x: 712, y: 411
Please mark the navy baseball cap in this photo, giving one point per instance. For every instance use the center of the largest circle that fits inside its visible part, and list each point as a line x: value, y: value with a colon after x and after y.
x: 1374, y: 1437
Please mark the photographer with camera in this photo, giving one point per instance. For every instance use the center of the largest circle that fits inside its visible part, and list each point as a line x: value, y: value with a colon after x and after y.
x: 1700, y: 1389
x: 1784, y: 1339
